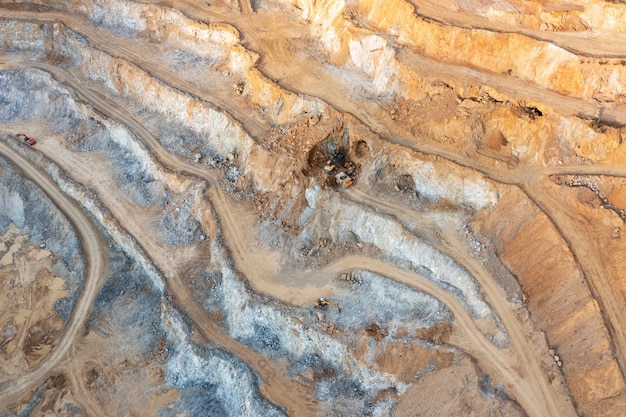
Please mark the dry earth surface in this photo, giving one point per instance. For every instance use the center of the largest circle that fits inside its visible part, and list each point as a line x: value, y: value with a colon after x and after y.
x: 163, y: 243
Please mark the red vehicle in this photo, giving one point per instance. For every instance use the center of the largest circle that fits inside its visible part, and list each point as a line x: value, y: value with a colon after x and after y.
x: 27, y: 139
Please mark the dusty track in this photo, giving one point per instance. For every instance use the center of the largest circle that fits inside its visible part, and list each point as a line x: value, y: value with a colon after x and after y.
x: 521, y: 352
x: 590, y: 44
x: 332, y: 89
x: 12, y: 392
x: 523, y: 177
x: 147, y: 60
x: 517, y: 366
x: 291, y: 394
x: 306, y: 75
x: 531, y: 388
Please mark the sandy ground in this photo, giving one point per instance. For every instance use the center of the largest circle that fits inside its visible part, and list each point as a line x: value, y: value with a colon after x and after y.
x: 26, y: 271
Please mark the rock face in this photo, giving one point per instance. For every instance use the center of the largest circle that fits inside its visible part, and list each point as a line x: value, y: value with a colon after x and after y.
x: 312, y: 208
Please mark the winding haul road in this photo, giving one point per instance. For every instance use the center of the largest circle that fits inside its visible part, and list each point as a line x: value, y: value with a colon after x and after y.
x: 517, y: 365
x: 12, y: 391
x: 291, y: 394
x: 584, y: 43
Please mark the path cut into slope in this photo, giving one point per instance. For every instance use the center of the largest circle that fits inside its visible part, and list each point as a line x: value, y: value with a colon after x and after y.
x: 530, y: 391
x: 12, y: 392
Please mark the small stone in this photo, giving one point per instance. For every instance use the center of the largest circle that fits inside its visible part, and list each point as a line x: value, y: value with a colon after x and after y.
x: 617, y: 233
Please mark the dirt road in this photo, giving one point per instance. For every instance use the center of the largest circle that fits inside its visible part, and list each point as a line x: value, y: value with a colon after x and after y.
x: 335, y: 91
x: 147, y: 59
x: 517, y: 367
x: 521, y: 351
x: 289, y: 393
x: 585, y: 43
x: 12, y: 392
x: 588, y: 255
x: 531, y: 390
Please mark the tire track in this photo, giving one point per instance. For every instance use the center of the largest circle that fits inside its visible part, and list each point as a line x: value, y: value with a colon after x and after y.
x: 147, y: 61
x: 579, y: 43
x: 11, y: 392
x: 291, y: 394
x: 523, y: 376
x: 530, y: 391
x: 521, y: 351
x: 517, y: 176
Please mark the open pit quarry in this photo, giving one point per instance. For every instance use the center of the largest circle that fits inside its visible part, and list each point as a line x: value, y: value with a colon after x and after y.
x: 312, y: 208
